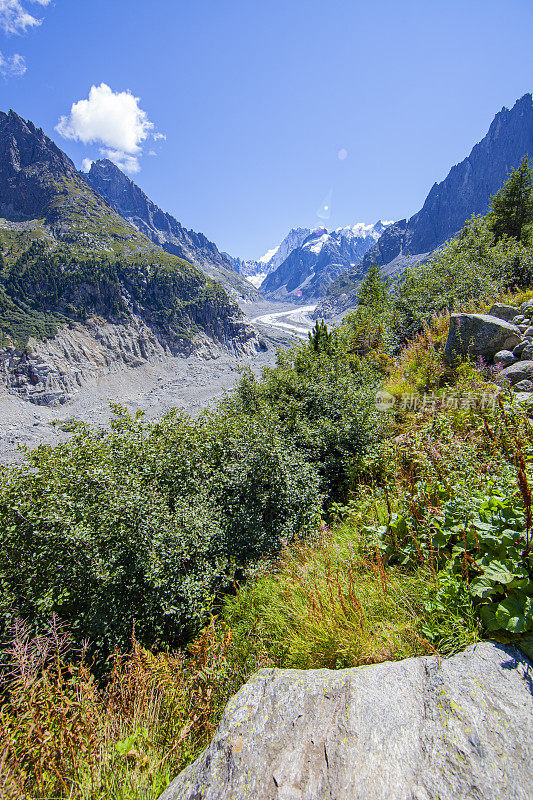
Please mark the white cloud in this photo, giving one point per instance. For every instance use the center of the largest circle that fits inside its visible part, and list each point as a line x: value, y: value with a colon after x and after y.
x: 14, y: 18
x: 12, y: 66
x: 86, y: 164
x: 113, y: 119
x: 152, y: 153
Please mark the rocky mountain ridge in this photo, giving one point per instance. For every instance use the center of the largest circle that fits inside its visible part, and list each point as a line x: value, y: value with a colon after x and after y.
x: 164, y: 230
x: 256, y: 271
x: 466, y: 190
x: 67, y: 258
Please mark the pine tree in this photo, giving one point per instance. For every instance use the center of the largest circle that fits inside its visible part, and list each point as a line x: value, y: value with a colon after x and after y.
x: 374, y: 289
x: 320, y: 338
x: 512, y: 205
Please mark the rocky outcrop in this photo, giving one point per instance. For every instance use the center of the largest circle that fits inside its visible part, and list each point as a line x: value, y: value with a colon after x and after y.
x: 26, y: 156
x: 51, y: 372
x: 479, y: 336
x: 164, y: 230
x: 502, y: 339
x: 419, y: 729
x: 466, y: 190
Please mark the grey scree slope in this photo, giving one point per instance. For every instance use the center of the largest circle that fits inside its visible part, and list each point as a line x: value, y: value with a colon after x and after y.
x: 419, y: 729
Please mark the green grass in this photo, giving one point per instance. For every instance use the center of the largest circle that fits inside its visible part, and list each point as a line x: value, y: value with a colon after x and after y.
x: 333, y: 604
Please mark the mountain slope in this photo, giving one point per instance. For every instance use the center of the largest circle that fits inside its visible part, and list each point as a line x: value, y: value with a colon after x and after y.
x: 68, y: 257
x: 163, y: 229
x: 310, y: 268
x: 466, y: 190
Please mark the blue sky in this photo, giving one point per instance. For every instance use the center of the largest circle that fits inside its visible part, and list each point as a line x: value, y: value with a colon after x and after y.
x: 257, y: 99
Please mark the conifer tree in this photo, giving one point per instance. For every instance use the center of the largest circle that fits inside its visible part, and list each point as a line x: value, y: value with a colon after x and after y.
x: 374, y: 289
x: 512, y: 205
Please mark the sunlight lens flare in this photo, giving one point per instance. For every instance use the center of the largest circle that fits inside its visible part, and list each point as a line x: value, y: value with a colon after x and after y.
x: 324, y: 212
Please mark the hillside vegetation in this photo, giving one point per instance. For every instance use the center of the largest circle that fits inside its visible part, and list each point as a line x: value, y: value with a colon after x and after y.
x: 146, y: 572
x: 66, y: 255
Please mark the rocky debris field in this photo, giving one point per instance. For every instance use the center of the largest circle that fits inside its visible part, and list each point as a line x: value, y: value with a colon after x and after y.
x: 152, y: 386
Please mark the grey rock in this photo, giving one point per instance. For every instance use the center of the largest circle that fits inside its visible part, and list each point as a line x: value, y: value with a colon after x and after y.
x: 505, y: 358
x: 524, y: 326
x: 523, y: 386
x: 479, y: 335
x: 527, y: 307
x: 517, y: 351
x: 527, y: 352
x: 419, y: 729
x: 529, y: 331
x: 523, y: 397
x: 503, y: 311
x: 522, y: 370
x: 518, y: 319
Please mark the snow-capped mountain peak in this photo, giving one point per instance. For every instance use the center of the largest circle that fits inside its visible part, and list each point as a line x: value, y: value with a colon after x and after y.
x: 321, y: 257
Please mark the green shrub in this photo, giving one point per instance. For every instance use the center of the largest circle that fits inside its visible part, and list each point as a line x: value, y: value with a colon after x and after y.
x: 144, y: 525
x: 479, y: 541
x: 322, y: 403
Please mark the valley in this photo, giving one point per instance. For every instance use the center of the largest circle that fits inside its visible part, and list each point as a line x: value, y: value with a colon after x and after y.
x: 153, y: 387
x: 215, y: 507
x: 296, y: 320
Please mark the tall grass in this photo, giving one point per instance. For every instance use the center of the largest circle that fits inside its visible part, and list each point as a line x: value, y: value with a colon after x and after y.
x: 63, y: 735
x: 331, y: 604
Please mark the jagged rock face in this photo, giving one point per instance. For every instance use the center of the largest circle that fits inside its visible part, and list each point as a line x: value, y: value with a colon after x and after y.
x: 466, y: 190
x: 419, y: 729
x: 163, y: 229
x: 275, y: 258
x: 29, y: 161
x: 51, y: 372
x: 310, y: 268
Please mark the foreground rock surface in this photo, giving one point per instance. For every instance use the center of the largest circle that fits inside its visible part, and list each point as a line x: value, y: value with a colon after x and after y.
x: 479, y: 335
x: 419, y: 729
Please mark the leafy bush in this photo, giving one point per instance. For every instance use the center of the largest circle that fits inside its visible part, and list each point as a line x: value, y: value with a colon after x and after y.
x: 144, y: 525
x: 471, y: 529
x: 490, y: 549
x: 321, y: 401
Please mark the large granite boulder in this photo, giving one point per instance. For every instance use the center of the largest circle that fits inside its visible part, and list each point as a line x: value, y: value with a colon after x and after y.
x: 419, y: 729
x: 503, y: 311
x: 479, y: 336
